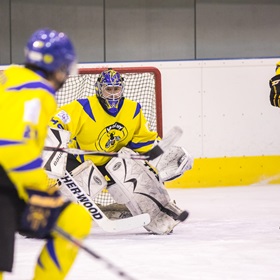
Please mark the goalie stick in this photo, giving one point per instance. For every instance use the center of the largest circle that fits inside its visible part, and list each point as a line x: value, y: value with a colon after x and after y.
x: 171, y: 137
x: 96, y: 213
x: 80, y: 245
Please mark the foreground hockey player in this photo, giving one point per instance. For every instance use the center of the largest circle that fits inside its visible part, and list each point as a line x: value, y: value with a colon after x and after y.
x: 274, y: 84
x: 107, y: 121
x: 27, y: 103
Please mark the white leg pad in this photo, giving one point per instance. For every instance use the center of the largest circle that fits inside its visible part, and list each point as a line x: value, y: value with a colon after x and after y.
x: 89, y: 178
x: 139, y: 188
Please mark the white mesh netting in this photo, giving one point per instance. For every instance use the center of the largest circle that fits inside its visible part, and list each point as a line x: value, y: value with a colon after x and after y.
x: 138, y: 86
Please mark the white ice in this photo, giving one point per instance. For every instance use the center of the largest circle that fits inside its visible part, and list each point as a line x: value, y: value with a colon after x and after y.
x: 231, y: 233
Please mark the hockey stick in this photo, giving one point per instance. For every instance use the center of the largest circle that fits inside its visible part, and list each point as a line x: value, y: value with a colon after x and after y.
x: 79, y: 244
x: 170, y: 138
x: 96, y: 213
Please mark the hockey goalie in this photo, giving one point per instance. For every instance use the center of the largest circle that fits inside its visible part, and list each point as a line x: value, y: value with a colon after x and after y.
x: 134, y: 187
x: 107, y: 121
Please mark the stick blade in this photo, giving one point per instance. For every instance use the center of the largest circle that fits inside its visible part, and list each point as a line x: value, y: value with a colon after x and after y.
x: 127, y: 223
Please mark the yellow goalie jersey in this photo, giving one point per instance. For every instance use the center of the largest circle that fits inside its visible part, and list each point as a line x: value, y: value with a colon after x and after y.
x: 92, y: 128
x: 27, y: 103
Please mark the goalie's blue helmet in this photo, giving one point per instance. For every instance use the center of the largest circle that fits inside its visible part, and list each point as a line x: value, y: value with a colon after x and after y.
x: 51, y: 51
x: 109, y: 88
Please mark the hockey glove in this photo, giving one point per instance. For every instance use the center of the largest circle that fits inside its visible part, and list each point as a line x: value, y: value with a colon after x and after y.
x: 274, y: 84
x: 41, y: 213
x: 173, y: 163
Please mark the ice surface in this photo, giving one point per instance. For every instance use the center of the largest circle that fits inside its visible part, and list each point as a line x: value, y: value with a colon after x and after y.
x: 231, y: 233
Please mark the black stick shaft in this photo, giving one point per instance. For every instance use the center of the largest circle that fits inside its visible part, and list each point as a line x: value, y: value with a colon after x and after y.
x: 79, y: 244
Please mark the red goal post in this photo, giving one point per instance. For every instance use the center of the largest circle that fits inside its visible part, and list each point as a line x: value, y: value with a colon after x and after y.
x: 142, y: 84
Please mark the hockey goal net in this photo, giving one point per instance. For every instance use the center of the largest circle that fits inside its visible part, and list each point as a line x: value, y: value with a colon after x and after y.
x: 142, y: 84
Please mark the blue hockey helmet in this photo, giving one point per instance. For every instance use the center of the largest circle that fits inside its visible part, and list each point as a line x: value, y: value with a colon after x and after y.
x: 51, y: 51
x: 109, y: 88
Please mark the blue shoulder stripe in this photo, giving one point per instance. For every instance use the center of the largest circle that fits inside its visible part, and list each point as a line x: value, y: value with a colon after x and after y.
x: 37, y: 163
x: 34, y: 85
x: 137, y: 110
x: 86, y: 107
x: 133, y: 146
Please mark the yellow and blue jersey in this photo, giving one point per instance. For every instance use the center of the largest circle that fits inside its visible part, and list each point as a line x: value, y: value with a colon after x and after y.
x: 94, y: 128
x: 27, y: 103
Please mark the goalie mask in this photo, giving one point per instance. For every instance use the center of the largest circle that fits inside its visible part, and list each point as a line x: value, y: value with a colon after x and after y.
x: 109, y: 89
x: 51, y: 51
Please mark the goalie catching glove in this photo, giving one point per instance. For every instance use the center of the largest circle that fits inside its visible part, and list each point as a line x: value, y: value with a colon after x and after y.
x: 172, y: 163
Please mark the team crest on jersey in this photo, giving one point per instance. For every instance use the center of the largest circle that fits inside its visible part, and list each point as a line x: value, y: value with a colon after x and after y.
x: 64, y: 117
x: 112, y: 135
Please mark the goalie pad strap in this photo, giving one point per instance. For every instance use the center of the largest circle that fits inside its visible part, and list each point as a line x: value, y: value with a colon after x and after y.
x: 163, y: 209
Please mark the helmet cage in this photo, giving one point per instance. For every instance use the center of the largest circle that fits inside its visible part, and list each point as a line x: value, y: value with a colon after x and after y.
x: 110, y: 87
x: 111, y: 92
